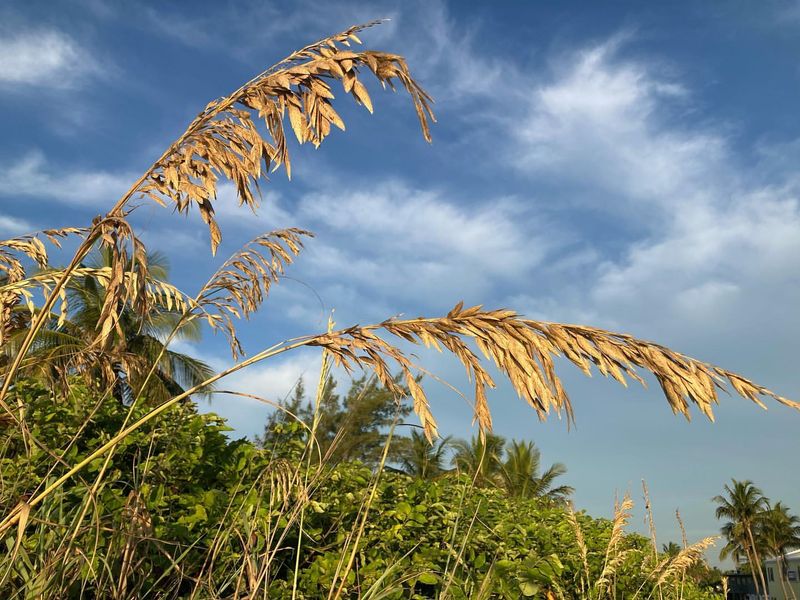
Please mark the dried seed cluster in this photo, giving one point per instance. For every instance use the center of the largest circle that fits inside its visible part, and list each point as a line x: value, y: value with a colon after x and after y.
x: 13, y: 282
x: 241, y: 285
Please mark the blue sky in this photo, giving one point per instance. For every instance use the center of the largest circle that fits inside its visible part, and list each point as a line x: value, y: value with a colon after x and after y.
x: 631, y: 166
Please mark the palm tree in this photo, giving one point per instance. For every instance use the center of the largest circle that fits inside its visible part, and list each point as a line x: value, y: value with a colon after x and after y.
x: 135, y: 345
x: 521, y: 478
x: 780, y: 532
x: 743, y: 506
x: 735, y: 546
x: 672, y: 549
x: 481, y: 458
x: 424, y: 460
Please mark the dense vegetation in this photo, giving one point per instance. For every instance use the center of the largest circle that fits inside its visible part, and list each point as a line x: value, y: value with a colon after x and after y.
x: 183, y: 510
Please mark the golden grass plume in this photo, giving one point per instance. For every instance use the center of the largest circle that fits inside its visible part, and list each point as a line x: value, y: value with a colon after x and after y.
x: 614, y: 556
x: 687, y: 557
x: 523, y: 350
x: 224, y: 139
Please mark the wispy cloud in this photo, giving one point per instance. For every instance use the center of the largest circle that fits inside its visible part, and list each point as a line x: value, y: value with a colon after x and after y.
x: 276, y: 380
x: 272, y: 379
x: 424, y: 223
x: 449, y: 58
x: 386, y: 243
x: 382, y: 239
x: 44, y: 58
x: 253, y: 25
x: 444, y: 56
x: 12, y: 226
x: 611, y: 124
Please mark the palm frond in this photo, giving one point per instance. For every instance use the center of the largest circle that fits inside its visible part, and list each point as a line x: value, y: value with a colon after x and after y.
x: 545, y: 483
x: 129, y: 285
x: 188, y: 371
x: 561, y: 493
x: 161, y: 322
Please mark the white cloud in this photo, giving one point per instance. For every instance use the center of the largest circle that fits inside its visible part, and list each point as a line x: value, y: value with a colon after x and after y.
x: 267, y: 382
x: 270, y: 214
x: 756, y: 238
x: 32, y: 176
x: 708, y: 251
x: 394, y: 240
x: 383, y: 240
x: 607, y: 124
x: 735, y: 266
x: 44, y: 58
x: 423, y: 222
x: 272, y: 379
x: 275, y: 378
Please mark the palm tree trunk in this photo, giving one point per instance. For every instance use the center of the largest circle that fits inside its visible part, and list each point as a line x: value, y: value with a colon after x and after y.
x: 757, y: 561
x: 751, y: 562
x: 786, y: 569
x: 779, y: 566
